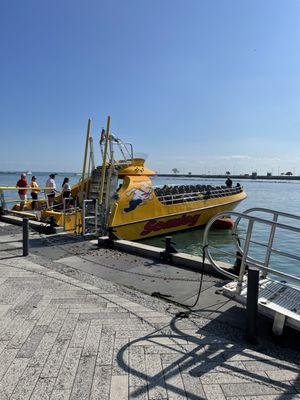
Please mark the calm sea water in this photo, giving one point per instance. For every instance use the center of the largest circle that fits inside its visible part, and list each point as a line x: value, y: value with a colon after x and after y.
x: 277, y: 195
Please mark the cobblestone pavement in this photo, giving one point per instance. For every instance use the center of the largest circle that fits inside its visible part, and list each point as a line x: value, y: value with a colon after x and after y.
x: 61, y: 338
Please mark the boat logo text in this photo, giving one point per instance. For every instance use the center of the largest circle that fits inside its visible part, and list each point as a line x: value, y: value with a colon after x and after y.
x: 155, y: 226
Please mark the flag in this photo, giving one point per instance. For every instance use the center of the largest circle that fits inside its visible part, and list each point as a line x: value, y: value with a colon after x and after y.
x: 102, y: 137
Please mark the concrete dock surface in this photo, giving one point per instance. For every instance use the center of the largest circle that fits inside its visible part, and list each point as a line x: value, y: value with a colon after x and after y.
x: 77, y: 322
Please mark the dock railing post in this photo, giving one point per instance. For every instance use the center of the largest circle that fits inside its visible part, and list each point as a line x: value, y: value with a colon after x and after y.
x: 166, y: 255
x: 25, y: 224
x: 252, y: 304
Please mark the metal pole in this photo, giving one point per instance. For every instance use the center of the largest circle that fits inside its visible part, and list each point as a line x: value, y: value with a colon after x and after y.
x: 103, y: 170
x: 96, y: 216
x: 245, y: 255
x: 25, y: 224
x: 252, y: 301
x: 64, y: 212
x: 270, y: 244
x: 83, y: 217
x: 84, y: 160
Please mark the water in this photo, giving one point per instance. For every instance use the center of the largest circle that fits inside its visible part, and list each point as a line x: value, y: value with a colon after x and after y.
x: 277, y: 195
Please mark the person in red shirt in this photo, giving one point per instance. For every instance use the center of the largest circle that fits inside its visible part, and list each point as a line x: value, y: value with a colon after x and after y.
x: 22, y: 183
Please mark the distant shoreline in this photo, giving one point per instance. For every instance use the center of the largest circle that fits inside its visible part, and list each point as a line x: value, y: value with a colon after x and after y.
x: 273, y: 177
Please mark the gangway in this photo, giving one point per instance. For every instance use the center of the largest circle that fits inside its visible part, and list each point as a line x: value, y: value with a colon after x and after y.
x: 279, y: 292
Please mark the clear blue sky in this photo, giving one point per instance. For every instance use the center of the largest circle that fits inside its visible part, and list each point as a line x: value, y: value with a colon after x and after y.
x: 198, y: 85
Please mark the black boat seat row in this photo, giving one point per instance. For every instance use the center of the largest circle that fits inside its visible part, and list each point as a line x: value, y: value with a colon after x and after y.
x: 183, y: 193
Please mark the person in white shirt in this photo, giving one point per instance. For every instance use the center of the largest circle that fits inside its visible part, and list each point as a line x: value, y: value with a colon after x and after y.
x: 50, y: 192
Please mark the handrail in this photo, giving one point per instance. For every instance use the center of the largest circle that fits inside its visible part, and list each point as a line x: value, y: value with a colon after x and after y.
x: 26, y: 188
x: 275, y: 214
x: 245, y: 258
x: 194, y: 196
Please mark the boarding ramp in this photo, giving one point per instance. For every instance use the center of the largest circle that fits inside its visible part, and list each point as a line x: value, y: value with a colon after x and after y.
x: 279, y: 291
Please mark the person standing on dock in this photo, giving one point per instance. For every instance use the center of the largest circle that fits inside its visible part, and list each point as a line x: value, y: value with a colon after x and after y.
x: 66, y: 190
x: 50, y: 192
x: 34, y: 192
x: 22, y: 183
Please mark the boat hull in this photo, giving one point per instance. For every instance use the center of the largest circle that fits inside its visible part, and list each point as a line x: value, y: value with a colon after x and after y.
x: 152, y: 218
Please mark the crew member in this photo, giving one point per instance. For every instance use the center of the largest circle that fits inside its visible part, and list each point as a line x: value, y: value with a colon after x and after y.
x: 228, y: 182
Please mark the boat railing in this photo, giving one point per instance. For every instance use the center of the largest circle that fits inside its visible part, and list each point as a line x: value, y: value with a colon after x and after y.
x: 174, y: 198
x: 245, y: 243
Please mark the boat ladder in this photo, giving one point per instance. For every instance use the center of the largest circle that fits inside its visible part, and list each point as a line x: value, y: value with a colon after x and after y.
x: 279, y: 291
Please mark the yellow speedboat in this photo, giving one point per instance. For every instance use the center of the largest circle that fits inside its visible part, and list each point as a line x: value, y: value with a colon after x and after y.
x: 142, y: 211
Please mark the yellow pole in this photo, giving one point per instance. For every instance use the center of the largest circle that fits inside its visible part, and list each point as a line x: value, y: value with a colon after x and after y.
x: 104, y: 161
x: 85, y: 157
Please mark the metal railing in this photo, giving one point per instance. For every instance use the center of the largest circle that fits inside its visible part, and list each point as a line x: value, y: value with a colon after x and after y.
x: 174, y: 198
x: 245, y: 258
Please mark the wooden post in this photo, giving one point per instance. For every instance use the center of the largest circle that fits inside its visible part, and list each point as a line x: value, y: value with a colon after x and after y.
x: 104, y: 161
x: 84, y: 160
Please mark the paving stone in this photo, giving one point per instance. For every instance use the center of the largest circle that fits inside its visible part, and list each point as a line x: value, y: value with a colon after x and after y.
x: 79, y: 335
x: 26, y: 384
x: 156, y: 383
x: 58, y: 320
x: 43, y: 389
x: 193, y: 387
x: 105, y: 315
x: 224, y: 377
x: 22, y: 334
x: 120, y: 363
x: 68, y: 369
x: 137, y: 364
x: 68, y: 327
x: 106, y: 347
x: 141, y: 396
x: 267, y: 365
x: 47, y: 315
x: 101, y: 383
x: 272, y: 397
x: 6, y: 358
x: 32, y: 302
x: 60, y: 395
x: 42, y: 351
x: 119, y: 387
x: 255, y: 389
x: 83, y: 380
x: 283, y: 375
x: 213, y: 392
x: 174, y: 383
x: 92, y: 339
x: 54, y: 361
x: 32, y: 342
x: 11, y: 378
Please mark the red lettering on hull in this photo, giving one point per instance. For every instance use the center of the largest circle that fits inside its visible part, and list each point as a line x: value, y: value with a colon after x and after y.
x: 155, y: 226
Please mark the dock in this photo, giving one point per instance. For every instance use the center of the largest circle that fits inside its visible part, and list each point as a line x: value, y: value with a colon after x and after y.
x: 78, y: 321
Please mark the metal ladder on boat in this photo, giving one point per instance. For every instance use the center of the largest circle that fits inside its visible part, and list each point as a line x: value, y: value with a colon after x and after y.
x: 279, y: 292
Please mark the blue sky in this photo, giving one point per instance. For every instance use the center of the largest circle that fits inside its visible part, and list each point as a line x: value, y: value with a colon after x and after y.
x: 198, y: 85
